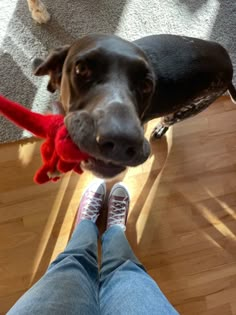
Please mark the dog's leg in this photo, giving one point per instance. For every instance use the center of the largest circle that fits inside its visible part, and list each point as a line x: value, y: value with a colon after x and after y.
x: 195, y: 107
x: 38, y: 11
x: 160, y: 129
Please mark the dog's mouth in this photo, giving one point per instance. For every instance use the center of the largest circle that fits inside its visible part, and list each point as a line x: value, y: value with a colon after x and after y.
x: 101, y: 168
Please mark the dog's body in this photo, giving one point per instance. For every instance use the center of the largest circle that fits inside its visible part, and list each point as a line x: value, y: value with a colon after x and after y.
x: 110, y: 87
x: 192, y: 73
x: 184, y: 68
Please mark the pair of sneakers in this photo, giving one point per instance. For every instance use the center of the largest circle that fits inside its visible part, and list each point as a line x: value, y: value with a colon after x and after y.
x: 93, y: 200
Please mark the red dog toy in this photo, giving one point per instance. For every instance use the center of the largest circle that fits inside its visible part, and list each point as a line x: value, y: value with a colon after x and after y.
x: 59, y: 153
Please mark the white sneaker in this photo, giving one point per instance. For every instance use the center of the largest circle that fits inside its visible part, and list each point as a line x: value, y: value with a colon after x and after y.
x: 118, y: 206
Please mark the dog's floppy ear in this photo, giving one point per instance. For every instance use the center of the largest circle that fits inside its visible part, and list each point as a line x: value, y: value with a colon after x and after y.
x: 52, y: 66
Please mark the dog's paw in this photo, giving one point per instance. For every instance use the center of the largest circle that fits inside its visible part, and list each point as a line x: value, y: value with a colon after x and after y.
x: 40, y: 13
x: 158, y: 132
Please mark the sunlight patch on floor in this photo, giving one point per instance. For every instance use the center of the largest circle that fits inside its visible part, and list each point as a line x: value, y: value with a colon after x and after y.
x: 217, y: 223
x: 26, y: 153
x: 47, y: 231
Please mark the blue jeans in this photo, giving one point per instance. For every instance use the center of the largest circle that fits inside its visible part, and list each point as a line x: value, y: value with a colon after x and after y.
x: 74, y: 285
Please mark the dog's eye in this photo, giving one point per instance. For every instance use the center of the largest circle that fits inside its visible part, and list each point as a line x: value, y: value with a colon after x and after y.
x: 147, y: 86
x: 83, y: 70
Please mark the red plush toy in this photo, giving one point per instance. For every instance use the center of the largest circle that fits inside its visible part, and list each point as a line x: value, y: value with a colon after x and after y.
x: 59, y: 153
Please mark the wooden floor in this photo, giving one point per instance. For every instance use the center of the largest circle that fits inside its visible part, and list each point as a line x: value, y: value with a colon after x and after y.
x: 181, y: 224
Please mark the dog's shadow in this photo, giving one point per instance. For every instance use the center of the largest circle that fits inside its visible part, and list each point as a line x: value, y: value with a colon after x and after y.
x: 159, y: 157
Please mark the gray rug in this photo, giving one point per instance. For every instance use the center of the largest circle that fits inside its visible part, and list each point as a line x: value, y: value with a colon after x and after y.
x: 21, y: 39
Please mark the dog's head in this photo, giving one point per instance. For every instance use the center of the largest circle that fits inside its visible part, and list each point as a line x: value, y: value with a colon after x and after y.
x: 106, y: 85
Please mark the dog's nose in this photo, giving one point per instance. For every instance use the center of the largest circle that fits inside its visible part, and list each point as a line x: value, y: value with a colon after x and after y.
x: 121, y: 146
x: 119, y: 133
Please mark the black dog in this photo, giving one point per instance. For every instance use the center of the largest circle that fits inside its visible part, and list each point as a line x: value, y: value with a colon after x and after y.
x: 110, y: 87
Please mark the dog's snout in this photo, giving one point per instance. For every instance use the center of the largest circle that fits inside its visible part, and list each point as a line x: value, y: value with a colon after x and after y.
x: 122, y: 144
x: 119, y: 134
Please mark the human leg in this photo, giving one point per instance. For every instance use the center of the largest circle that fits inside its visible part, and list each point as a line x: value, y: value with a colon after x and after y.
x: 125, y: 287
x: 70, y: 285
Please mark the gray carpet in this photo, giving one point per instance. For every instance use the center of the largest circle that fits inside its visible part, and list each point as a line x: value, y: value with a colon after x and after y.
x: 21, y: 39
